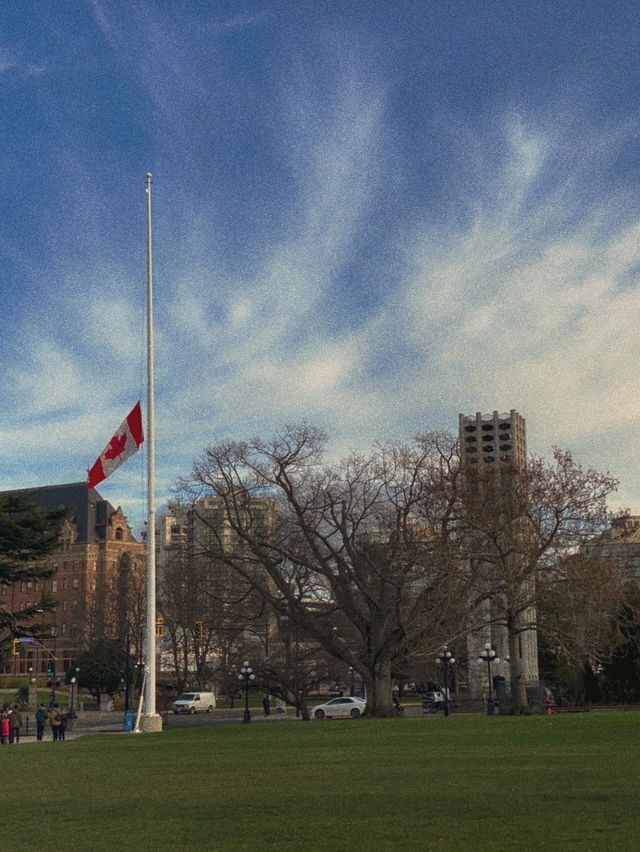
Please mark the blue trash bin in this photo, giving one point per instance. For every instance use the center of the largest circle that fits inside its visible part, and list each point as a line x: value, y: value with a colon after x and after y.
x: 129, y: 720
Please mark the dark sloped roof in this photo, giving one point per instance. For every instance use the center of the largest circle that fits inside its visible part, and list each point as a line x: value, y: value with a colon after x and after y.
x: 90, y: 511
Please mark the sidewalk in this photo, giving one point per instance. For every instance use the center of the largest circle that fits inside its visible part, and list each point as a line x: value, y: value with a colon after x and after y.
x: 92, y: 722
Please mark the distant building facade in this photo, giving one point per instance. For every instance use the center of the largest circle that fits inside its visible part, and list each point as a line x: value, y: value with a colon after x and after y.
x: 97, y: 581
x: 622, y: 541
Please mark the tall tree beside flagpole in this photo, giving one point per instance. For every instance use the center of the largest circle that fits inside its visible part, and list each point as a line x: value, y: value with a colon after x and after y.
x: 151, y: 720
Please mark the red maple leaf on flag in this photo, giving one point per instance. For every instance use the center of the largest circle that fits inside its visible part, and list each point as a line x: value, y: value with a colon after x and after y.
x: 116, y: 446
x: 127, y: 439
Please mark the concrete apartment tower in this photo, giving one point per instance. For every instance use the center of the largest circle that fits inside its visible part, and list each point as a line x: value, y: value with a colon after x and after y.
x: 495, y: 446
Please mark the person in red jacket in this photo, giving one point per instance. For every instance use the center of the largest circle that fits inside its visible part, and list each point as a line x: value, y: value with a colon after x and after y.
x: 4, y: 728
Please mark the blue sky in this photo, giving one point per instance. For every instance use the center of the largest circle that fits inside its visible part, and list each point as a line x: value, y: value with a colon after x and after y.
x: 368, y: 216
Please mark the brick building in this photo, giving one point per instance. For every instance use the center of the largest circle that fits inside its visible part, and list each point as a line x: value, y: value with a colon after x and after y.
x: 97, y: 584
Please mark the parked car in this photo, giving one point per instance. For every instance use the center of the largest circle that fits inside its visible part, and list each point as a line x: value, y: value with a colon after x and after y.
x: 436, y: 697
x: 344, y: 706
x: 432, y: 701
x: 195, y: 702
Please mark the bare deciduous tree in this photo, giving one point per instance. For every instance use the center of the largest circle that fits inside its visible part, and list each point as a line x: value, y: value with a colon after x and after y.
x: 527, y: 543
x: 355, y: 555
x: 208, y: 614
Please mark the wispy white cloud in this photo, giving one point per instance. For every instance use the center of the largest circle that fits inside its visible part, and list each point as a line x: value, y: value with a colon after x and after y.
x: 531, y: 303
x: 7, y: 62
x: 104, y: 24
x: 522, y: 292
x: 241, y: 21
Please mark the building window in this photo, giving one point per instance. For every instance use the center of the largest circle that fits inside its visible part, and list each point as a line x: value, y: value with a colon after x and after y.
x: 54, y: 585
x: 63, y: 629
x: 64, y: 606
x: 119, y: 534
x: 75, y: 583
x: 65, y: 583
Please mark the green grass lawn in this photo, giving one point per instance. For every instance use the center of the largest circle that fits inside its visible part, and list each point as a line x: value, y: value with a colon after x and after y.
x: 466, y: 783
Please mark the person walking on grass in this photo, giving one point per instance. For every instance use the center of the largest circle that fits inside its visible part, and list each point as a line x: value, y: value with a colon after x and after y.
x: 63, y: 725
x: 4, y: 728
x: 55, y: 715
x: 41, y: 718
x: 15, y: 723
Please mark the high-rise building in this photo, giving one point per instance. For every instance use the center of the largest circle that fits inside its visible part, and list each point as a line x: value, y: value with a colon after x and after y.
x: 495, y: 443
x: 493, y: 452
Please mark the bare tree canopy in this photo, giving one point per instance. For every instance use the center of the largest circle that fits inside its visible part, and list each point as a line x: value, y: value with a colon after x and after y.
x: 382, y: 557
x: 531, y: 546
x: 354, y: 554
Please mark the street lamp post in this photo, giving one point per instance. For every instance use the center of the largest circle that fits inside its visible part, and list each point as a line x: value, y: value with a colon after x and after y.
x: 446, y: 660
x: 246, y: 675
x: 32, y: 690
x: 488, y: 656
x: 75, y: 716
x: 54, y: 635
x: 72, y: 712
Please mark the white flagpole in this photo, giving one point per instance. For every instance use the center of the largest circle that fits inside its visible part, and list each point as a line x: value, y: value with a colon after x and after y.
x: 151, y: 720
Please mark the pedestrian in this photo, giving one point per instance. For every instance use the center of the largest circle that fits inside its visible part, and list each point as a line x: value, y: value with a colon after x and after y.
x: 54, y: 721
x: 395, y: 697
x: 4, y: 728
x: 41, y: 718
x: 63, y: 725
x: 15, y: 723
x: 266, y: 705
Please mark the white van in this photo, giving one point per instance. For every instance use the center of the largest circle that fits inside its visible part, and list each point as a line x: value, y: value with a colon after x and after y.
x: 195, y: 702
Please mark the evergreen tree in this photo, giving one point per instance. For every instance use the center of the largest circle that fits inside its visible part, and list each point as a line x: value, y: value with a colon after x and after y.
x: 27, y: 534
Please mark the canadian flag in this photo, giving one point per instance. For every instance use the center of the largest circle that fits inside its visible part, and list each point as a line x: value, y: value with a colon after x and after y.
x: 124, y: 443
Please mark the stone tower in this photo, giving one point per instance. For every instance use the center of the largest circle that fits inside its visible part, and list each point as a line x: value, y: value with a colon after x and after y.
x: 493, y: 449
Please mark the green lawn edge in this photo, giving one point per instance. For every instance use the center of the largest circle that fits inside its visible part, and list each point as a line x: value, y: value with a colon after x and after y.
x: 463, y: 783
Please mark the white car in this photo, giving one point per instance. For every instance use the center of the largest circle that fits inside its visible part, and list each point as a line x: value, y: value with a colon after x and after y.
x: 347, y: 706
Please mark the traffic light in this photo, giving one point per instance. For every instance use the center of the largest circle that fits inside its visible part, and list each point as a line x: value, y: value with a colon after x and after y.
x: 50, y: 670
x: 199, y: 630
x: 160, y: 626
x: 15, y: 650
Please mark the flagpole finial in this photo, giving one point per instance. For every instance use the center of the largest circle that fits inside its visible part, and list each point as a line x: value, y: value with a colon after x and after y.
x: 148, y: 176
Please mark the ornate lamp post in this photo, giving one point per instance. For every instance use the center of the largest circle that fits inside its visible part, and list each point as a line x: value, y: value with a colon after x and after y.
x: 488, y: 656
x: 72, y: 709
x: 246, y: 675
x: 73, y: 714
x: 446, y: 659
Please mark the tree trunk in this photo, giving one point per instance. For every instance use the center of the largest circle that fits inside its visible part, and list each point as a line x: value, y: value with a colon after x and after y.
x: 379, y: 701
x: 518, y: 686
